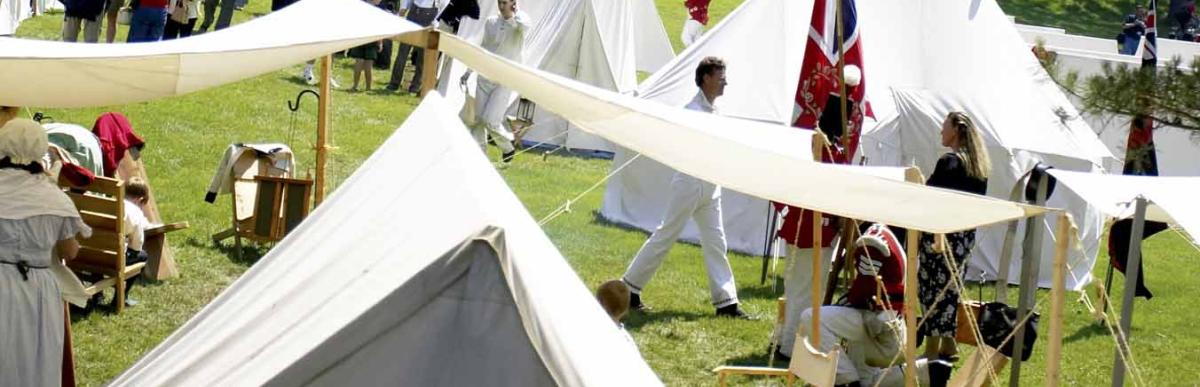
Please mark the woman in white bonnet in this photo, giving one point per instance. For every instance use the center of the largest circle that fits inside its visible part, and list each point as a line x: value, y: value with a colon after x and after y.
x: 38, y: 224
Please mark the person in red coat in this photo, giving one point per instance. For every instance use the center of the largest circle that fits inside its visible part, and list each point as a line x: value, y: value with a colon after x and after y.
x: 697, y: 19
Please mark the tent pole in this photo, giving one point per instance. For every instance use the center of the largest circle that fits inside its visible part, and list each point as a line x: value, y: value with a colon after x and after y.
x: 815, y: 333
x: 429, y: 63
x: 1030, y: 265
x: 1131, y: 273
x: 322, y: 129
x: 910, y: 310
x: 1057, y: 296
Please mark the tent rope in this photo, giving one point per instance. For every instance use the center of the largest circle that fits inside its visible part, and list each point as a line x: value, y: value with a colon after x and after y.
x: 566, y: 206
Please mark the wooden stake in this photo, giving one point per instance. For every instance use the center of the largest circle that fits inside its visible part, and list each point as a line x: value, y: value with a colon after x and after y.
x: 1132, y: 267
x: 815, y: 333
x: 841, y: 68
x: 1057, y: 298
x: 910, y: 310
x: 322, y: 128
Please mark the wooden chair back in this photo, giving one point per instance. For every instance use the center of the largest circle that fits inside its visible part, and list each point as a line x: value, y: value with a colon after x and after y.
x: 102, y: 207
x: 813, y: 366
x: 280, y: 205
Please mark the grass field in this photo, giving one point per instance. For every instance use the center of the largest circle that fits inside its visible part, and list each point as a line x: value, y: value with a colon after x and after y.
x: 681, y: 339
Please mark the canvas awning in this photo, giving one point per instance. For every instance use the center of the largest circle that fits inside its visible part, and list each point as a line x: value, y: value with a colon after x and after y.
x: 752, y: 157
x: 1171, y: 199
x: 51, y: 74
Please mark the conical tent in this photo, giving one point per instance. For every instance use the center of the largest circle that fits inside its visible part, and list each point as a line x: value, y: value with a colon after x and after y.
x: 12, y: 13
x: 921, y: 60
x: 421, y: 269
x: 603, y: 43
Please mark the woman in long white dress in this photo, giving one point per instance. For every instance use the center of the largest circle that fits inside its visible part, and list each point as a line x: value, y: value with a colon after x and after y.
x: 38, y: 224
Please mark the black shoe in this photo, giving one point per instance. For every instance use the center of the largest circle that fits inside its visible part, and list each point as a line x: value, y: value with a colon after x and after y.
x: 635, y: 303
x: 734, y: 311
x: 780, y: 356
x: 507, y: 157
x: 391, y: 87
x: 939, y: 372
x: 851, y: 384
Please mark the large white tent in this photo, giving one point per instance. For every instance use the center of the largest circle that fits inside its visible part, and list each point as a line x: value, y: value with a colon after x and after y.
x: 58, y: 74
x: 921, y: 60
x: 1171, y: 199
x: 422, y: 269
x: 1178, y: 151
x: 603, y: 43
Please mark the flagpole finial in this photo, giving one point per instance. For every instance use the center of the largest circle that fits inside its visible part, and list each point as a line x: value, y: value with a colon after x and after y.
x: 853, y: 75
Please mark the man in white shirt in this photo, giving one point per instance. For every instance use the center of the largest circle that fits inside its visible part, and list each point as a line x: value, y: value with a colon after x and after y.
x: 503, y: 35
x: 692, y: 198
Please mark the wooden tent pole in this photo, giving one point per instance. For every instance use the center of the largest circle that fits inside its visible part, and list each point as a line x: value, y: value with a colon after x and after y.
x: 429, y: 63
x: 910, y: 310
x: 1057, y: 298
x: 841, y: 69
x: 814, y: 336
x: 1132, y: 266
x: 322, y: 129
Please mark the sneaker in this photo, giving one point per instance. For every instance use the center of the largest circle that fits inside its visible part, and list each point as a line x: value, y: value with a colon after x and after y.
x: 309, y: 77
x: 635, y: 303
x: 733, y: 311
x: 507, y: 157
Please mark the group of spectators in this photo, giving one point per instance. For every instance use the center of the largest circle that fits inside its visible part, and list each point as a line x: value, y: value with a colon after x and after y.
x: 1182, y: 13
x: 148, y: 20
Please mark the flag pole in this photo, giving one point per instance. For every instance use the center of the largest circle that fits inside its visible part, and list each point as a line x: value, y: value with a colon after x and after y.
x: 841, y: 74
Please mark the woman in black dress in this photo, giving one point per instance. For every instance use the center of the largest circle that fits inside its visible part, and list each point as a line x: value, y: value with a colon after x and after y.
x: 965, y: 168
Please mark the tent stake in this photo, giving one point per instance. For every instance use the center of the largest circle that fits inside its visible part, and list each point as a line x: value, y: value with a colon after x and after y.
x: 1132, y: 267
x: 322, y: 129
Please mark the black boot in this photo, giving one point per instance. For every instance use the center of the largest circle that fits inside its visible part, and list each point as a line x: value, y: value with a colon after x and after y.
x: 635, y: 303
x: 734, y: 311
x: 939, y: 372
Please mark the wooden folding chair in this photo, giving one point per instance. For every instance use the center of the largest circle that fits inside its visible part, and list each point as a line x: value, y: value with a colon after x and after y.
x: 809, y: 364
x: 975, y: 372
x: 280, y: 204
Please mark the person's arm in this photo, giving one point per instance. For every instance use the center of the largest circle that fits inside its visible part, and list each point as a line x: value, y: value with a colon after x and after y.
x: 67, y: 249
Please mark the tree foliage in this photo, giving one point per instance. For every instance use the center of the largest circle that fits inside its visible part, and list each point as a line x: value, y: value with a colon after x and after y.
x: 1169, y: 96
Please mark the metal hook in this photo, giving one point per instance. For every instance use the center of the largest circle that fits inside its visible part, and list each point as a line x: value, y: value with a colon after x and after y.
x: 296, y: 106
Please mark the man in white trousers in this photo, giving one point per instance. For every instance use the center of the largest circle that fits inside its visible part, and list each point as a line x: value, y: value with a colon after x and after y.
x: 696, y: 199
x: 503, y: 35
x: 869, y: 325
x: 693, y: 27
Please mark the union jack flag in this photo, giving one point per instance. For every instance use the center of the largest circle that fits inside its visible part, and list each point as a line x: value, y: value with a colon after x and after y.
x: 819, y: 79
x: 1150, y: 52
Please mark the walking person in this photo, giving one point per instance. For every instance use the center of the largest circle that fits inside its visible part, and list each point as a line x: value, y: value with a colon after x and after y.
x: 698, y: 200
x: 503, y: 35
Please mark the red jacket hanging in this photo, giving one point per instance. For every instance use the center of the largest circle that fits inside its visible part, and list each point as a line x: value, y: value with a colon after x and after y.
x: 116, y: 136
x: 698, y: 9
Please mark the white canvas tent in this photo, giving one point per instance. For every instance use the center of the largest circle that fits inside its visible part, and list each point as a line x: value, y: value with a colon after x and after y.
x: 603, y: 43
x: 57, y: 74
x: 1171, y: 199
x: 12, y: 13
x: 921, y: 61
x: 422, y: 269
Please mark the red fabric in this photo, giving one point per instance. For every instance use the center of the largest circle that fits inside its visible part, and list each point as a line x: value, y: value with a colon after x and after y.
x: 116, y: 137
x: 154, y: 3
x: 819, y: 79
x: 76, y: 175
x: 698, y: 9
x: 879, y: 260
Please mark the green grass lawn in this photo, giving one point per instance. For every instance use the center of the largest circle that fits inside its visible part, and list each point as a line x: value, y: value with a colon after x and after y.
x: 680, y: 339
x: 1096, y: 18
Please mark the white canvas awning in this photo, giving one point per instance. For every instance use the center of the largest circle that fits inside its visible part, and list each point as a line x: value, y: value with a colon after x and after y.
x: 66, y: 75
x: 422, y: 269
x: 1172, y: 199
x: 757, y: 158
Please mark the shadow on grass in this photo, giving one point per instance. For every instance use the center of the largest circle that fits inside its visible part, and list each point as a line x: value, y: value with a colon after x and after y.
x: 250, y: 252
x: 635, y: 320
x: 598, y: 219
x: 768, y: 291
x: 1088, y: 331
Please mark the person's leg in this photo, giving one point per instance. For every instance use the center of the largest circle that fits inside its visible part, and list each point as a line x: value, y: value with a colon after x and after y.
x: 357, y: 70
x: 721, y: 284
x: 797, y: 290
x: 158, y: 20
x: 110, y: 16
x: 398, y: 67
x: 137, y: 27
x: 91, y: 30
x: 839, y: 325
x: 226, y: 15
x: 685, y: 193
x: 187, y: 28
x: 171, y: 30
x: 366, y: 68
x: 423, y: 17
x: 70, y: 31
x: 210, y: 12
x: 492, y: 115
